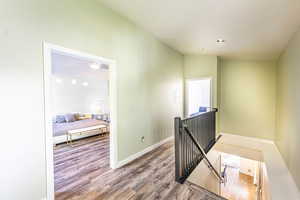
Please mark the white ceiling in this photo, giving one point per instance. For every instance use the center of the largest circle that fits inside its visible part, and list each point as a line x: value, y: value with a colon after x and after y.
x: 253, y: 29
x: 78, y: 68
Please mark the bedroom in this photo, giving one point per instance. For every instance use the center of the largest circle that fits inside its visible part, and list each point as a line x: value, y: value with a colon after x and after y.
x: 80, y: 118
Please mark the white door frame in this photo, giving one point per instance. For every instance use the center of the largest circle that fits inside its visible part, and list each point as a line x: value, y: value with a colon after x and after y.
x: 48, y: 48
x: 186, y: 98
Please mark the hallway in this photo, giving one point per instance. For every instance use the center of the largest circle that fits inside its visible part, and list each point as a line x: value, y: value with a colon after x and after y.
x: 82, y: 172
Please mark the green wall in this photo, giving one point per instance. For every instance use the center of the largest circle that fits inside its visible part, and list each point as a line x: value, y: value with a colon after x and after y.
x: 244, y: 92
x: 149, y: 82
x: 247, y: 100
x: 288, y: 107
x: 201, y: 66
x: 150, y: 85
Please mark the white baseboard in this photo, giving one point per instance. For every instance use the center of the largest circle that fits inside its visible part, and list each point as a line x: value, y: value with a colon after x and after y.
x: 143, y: 152
x: 249, y: 138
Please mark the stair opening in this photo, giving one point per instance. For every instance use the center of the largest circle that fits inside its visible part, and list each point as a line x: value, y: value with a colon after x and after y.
x: 244, y: 178
x: 232, y: 171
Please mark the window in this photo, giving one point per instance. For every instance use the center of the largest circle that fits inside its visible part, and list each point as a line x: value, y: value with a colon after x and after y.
x: 198, y: 94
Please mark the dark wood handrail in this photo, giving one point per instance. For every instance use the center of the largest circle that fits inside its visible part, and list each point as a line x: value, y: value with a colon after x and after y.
x: 187, y: 154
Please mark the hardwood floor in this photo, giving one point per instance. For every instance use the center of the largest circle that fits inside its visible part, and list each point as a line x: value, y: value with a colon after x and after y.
x: 82, y: 173
x: 239, y: 186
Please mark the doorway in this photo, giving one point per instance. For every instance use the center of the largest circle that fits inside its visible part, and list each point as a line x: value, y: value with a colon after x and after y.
x: 198, y: 95
x: 92, y: 109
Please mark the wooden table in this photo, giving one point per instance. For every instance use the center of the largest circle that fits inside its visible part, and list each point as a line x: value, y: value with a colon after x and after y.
x: 80, y: 131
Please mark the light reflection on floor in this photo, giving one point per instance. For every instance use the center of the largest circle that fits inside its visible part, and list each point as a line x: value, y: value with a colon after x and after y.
x: 239, y: 185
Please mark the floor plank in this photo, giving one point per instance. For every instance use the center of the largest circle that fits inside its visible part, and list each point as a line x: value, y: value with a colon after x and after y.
x: 82, y: 172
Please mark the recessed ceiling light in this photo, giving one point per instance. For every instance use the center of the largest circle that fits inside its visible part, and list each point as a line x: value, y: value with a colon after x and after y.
x: 85, y: 83
x: 58, y: 80
x: 220, y: 41
x: 95, y: 66
x: 74, y: 81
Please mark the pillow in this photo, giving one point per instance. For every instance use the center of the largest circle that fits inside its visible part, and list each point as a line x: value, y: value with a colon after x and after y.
x: 77, y: 116
x: 60, y: 119
x: 88, y: 115
x: 202, y: 109
x: 70, y: 117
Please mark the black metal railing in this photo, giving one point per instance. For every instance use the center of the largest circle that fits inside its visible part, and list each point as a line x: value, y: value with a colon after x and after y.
x: 191, y: 135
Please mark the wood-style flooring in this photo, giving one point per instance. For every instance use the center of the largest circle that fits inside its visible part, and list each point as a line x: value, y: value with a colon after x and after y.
x: 239, y: 186
x: 82, y: 172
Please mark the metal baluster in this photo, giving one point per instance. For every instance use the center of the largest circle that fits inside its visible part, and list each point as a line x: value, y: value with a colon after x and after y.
x: 187, y: 153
